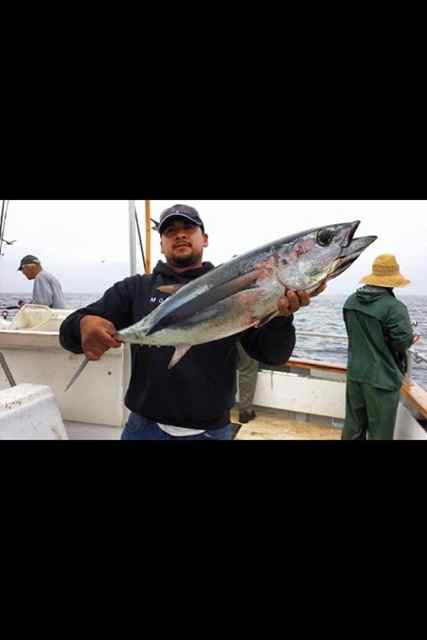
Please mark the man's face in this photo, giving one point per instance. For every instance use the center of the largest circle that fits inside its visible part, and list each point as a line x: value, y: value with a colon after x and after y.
x: 30, y: 270
x: 182, y: 243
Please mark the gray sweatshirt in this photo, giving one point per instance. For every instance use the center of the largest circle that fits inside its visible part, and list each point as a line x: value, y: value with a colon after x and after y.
x: 47, y: 290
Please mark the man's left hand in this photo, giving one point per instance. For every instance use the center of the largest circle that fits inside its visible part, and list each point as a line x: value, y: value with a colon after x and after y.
x: 294, y: 300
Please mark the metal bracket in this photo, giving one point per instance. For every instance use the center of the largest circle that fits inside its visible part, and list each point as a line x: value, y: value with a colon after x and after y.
x: 6, y: 370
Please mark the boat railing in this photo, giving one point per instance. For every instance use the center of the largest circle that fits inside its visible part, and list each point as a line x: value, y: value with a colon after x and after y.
x: 414, y: 355
x: 321, y: 335
x: 7, y: 371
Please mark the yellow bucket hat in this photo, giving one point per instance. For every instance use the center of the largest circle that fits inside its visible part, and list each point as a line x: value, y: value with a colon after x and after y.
x: 385, y: 273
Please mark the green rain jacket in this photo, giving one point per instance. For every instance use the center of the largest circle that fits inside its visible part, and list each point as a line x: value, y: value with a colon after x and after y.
x: 380, y: 332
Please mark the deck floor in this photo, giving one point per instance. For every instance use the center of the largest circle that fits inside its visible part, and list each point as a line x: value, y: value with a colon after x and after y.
x: 83, y: 431
x: 270, y: 424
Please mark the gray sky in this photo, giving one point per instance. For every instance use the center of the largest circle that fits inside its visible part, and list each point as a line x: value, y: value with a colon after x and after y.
x: 86, y: 243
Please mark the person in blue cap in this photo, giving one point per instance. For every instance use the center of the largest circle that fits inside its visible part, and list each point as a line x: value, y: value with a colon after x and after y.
x: 191, y: 401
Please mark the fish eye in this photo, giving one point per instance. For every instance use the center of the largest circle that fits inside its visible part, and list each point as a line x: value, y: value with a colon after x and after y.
x: 324, y: 237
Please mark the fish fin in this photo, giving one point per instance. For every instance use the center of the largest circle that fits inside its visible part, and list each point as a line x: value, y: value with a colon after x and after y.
x: 179, y: 353
x: 170, y: 288
x: 264, y: 321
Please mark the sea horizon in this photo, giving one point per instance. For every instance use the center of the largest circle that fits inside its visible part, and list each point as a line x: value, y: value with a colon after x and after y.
x: 323, y: 316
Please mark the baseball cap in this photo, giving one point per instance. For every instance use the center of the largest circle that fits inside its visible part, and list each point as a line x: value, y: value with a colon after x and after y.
x: 181, y: 211
x: 28, y: 260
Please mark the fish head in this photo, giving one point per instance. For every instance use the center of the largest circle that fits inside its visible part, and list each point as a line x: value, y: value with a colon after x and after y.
x: 308, y: 259
x: 357, y: 245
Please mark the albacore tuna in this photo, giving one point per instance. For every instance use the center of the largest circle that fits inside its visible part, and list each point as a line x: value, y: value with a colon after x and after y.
x: 244, y: 292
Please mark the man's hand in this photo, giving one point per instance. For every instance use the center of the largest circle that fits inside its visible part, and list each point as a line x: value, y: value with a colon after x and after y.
x: 292, y: 300
x: 97, y: 336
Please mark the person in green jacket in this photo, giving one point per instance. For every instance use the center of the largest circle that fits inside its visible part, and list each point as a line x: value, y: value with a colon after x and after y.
x: 379, y: 332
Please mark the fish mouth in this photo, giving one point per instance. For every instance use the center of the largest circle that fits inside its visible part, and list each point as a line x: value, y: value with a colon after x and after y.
x: 350, y: 253
x: 357, y: 245
x: 350, y: 233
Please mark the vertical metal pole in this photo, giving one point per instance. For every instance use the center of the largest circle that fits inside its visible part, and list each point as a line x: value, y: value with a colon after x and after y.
x: 6, y: 370
x: 132, y: 269
x: 132, y: 238
x: 2, y: 224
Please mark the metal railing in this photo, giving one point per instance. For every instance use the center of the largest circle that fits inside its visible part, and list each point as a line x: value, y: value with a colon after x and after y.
x: 6, y: 370
x: 311, y: 334
x: 414, y: 356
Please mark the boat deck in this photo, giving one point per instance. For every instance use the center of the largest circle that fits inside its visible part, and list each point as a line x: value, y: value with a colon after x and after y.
x: 270, y: 424
x: 83, y: 431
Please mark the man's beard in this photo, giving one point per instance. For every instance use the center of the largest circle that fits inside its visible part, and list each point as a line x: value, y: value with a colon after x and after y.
x: 184, y: 261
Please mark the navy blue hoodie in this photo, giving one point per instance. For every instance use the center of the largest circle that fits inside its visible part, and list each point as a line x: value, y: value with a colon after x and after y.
x: 200, y: 390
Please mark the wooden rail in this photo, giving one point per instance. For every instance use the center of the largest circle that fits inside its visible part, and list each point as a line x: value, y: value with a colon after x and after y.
x: 147, y: 237
x: 417, y: 397
x: 302, y: 363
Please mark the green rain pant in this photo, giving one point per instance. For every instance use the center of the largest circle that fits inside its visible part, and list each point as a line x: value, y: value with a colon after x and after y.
x: 248, y: 372
x: 369, y: 411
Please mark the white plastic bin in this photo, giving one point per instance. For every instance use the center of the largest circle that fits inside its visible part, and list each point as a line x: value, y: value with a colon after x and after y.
x: 29, y: 412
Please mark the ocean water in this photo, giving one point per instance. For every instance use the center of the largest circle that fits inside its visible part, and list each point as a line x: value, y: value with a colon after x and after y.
x: 324, y: 315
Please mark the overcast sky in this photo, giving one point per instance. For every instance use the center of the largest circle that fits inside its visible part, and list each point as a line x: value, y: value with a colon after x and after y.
x: 86, y: 243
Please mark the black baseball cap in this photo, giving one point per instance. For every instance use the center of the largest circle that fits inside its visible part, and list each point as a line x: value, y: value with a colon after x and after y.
x: 180, y: 211
x: 28, y: 260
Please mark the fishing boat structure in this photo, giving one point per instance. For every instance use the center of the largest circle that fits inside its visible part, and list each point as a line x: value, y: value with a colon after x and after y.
x: 303, y: 399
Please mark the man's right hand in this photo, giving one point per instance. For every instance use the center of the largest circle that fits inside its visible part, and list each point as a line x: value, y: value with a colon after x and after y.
x: 97, y: 336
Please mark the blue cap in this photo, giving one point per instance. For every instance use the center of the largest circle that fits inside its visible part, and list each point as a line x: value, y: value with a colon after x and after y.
x: 179, y: 211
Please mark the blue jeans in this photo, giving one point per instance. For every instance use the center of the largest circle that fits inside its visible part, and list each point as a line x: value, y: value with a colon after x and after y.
x: 140, y: 428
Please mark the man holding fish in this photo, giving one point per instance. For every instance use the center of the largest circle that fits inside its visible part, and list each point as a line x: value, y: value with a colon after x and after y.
x: 196, y: 313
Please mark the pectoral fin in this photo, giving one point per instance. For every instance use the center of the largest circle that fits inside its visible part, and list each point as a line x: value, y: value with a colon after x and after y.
x: 179, y: 353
